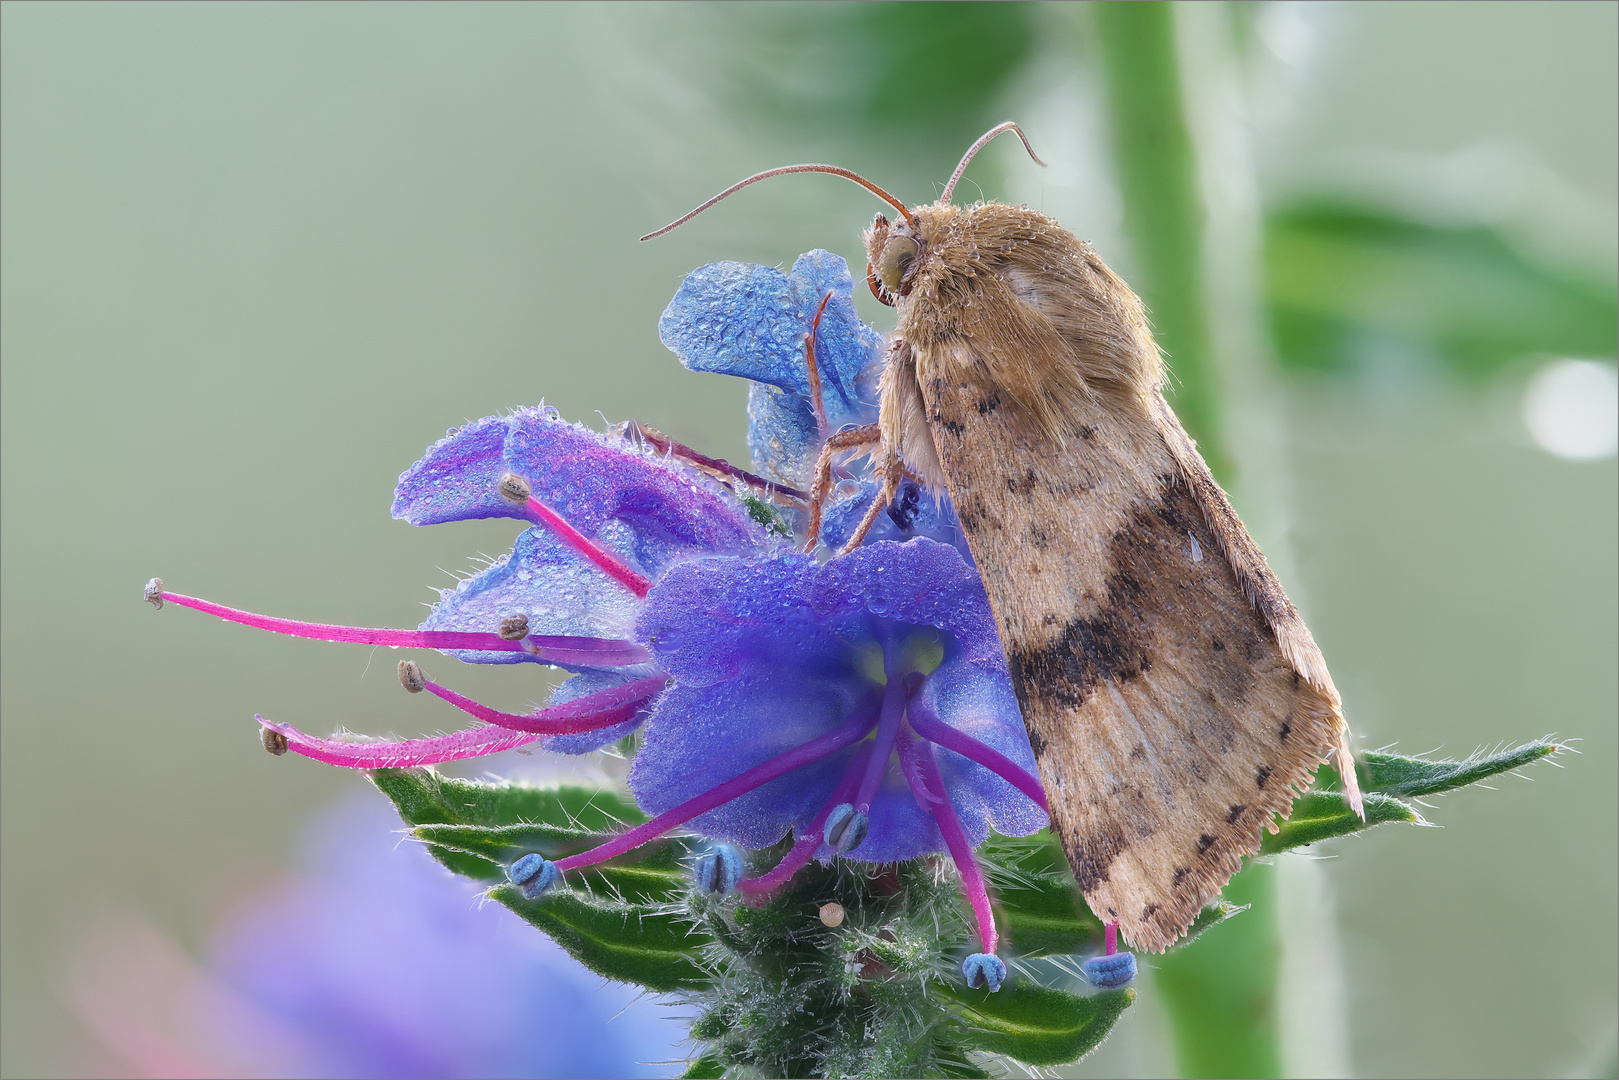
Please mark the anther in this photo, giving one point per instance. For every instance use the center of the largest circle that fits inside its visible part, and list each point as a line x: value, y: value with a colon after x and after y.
x: 985, y: 969
x: 411, y: 677
x: 832, y: 914
x: 846, y: 828
x: 274, y: 741
x: 515, y: 490
x: 514, y: 627
x: 154, y: 593
x: 1110, y: 972
x: 533, y: 874
x: 718, y: 871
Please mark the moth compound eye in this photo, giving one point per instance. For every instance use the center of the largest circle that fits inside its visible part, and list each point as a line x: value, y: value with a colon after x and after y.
x: 895, y: 260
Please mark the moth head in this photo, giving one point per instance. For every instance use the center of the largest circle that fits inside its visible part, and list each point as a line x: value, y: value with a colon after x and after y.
x: 893, y: 255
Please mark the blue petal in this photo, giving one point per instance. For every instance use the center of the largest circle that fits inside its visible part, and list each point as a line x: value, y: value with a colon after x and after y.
x: 752, y: 321
x: 455, y: 480
x: 912, y: 513
x: 924, y: 583
x: 591, y: 682
x: 595, y: 481
x: 650, y: 509
x: 978, y: 701
x: 545, y: 578
x: 701, y: 736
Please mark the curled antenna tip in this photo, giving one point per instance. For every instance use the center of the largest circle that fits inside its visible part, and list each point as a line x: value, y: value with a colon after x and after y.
x: 411, y: 677
x: 983, y: 140
x: 514, y: 489
x: 154, y: 592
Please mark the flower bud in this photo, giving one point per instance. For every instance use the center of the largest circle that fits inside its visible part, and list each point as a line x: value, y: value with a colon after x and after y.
x: 274, y: 741
x: 533, y: 874
x: 514, y: 489
x: 411, y: 677
x: 154, y: 593
x: 718, y: 871
x: 1110, y: 972
x: 846, y: 828
x: 986, y: 969
x: 514, y: 627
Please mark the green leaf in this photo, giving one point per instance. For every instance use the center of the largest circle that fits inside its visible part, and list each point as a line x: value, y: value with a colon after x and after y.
x: 1339, y: 276
x: 423, y: 797
x: 1038, y: 905
x: 652, y: 873
x: 1395, y: 774
x: 1320, y: 815
x: 707, y: 1067
x: 1035, y: 1024
x: 634, y: 943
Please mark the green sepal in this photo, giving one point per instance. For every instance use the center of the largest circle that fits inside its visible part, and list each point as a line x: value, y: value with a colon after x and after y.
x: 1409, y: 777
x: 1035, y: 1024
x: 423, y: 797
x: 707, y: 1067
x: 633, y: 943
x: 1207, y: 919
x: 1320, y: 815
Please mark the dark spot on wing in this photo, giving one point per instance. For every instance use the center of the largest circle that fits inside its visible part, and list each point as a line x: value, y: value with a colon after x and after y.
x: 1236, y: 812
x: 1262, y: 775
x: 1287, y: 726
x: 1086, y: 431
x: 1138, y: 752
x: 989, y: 404
x: 1037, y: 743
x: 1092, y: 856
x: 952, y: 426
x: 1180, y: 872
x: 1147, y: 912
x: 1204, y: 842
x: 1217, y: 645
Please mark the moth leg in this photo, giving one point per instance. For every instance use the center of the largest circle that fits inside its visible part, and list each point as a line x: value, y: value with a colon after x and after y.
x: 860, y: 438
x: 892, y: 473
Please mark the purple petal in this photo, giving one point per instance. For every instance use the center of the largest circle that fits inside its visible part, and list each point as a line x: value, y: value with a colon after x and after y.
x: 561, y: 592
x: 979, y: 702
x: 455, y: 480
x: 921, y: 582
x: 593, y: 682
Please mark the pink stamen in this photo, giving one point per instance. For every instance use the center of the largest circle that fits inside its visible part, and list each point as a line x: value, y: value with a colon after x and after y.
x: 611, y: 564
x: 894, y: 695
x: 758, y: 776
x: 972, y: 878
x: 591, y: 713
x: 596, y: 652
x: 931, y: 728
x: 406, y: 753
x: 909, y: 767
x: 758, y: 890
x: 1111, y: 934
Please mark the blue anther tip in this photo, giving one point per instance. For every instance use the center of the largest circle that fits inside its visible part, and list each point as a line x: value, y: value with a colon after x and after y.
x: 1111, y: 972
x: 533, y: 874
x: 846, y: 828
x: 984, y: 969
x: 719, y: 870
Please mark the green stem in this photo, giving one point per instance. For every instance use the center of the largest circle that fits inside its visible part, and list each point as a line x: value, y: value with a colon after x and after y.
x: 1220, y: 996
x: 1164, y: 213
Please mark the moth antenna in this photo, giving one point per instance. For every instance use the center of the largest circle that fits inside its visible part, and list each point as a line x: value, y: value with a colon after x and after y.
x: 972, y: 152
x: 783, y: 171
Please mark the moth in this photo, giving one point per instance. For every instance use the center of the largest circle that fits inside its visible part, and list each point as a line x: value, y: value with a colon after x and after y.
x: 1173, y: 696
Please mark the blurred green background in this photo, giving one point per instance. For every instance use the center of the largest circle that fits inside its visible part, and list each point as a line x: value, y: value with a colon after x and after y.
x: 254, y: 258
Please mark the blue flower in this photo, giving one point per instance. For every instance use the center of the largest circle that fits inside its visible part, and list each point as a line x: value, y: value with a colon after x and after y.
x: 610, y: 516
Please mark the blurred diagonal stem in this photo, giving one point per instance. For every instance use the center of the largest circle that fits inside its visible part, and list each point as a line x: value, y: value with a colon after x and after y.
x: 1221, y: 998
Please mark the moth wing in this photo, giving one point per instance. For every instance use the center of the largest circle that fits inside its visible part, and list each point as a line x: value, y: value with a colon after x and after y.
x: 1173, y: 697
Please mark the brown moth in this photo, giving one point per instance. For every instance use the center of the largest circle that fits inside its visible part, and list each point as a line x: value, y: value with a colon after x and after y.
x: 1174, y: 698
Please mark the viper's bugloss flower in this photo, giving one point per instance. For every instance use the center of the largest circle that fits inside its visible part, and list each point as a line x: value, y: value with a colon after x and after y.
x: 609, y: 518
x: 861, y: 705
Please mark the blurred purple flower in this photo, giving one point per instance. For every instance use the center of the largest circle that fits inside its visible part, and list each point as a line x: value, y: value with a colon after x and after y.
x: 371, y: 961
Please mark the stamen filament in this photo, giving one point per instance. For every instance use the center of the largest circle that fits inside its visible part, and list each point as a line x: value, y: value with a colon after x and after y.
x: 591, y: 713
x: 611, y: 564
x: 894, y: 695
x: 759, y: 889
x: 851, y: 732
x: 405, y: 753
x: 591, y: 652
x: 934, y: 730
x: 961, y: 852
x: 717, y: 467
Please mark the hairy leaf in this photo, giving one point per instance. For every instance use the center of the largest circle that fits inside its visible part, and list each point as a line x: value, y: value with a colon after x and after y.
x: 633, y: 943
x: 1396, y: 774
x: 1035, y: 1024
x: 1320, y: 815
